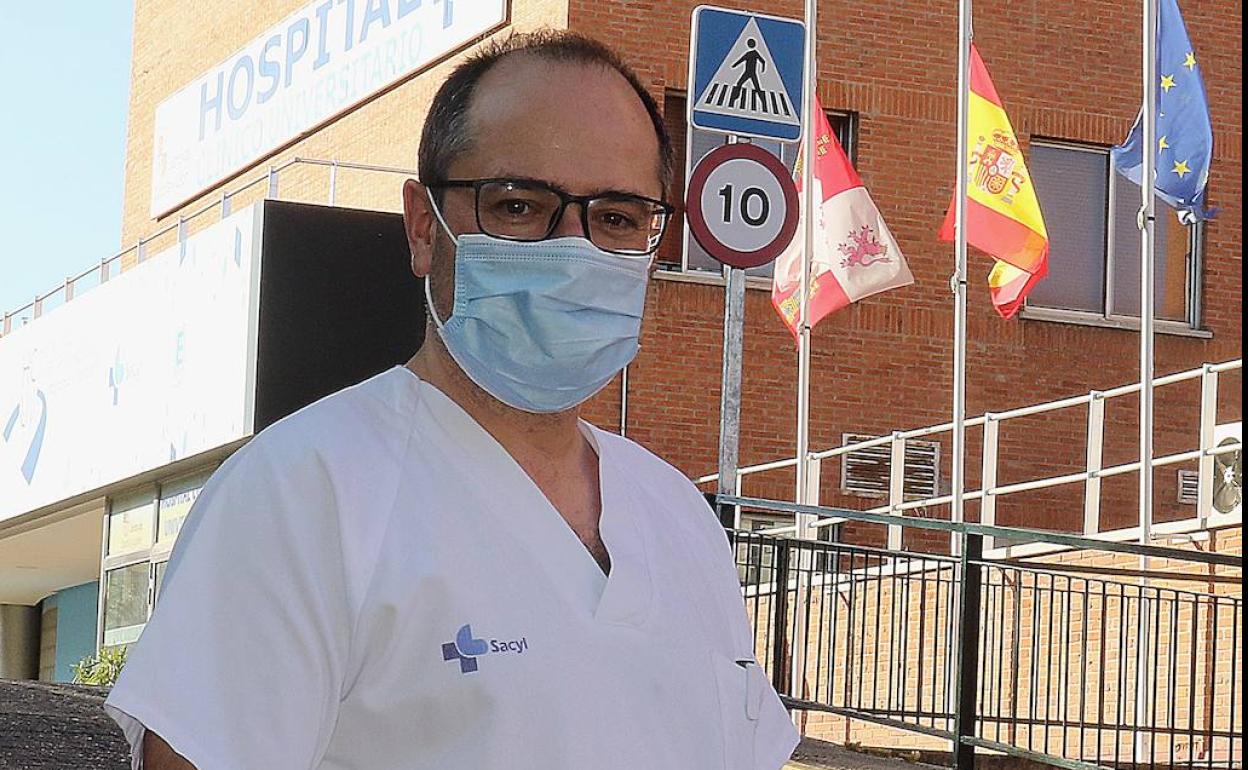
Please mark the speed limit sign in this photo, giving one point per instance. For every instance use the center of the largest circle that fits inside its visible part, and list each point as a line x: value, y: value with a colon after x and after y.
x: 742, y: 205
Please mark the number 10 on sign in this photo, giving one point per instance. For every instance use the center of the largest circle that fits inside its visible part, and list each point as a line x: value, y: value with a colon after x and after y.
x: 747, y: 198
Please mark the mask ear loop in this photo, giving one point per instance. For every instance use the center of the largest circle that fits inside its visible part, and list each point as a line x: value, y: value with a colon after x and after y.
x: 437, y: 213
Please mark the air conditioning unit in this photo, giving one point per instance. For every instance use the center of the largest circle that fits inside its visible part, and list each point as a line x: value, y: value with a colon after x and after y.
x: 1228, y: 479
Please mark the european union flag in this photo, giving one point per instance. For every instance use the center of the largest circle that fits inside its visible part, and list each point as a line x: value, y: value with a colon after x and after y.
x: 1184, y: 131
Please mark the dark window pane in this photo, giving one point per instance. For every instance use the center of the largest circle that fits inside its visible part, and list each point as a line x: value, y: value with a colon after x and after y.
x: 843, y: 127
x: 1170, y: 255
x: 1072, y: 187
x: 701, y: 144
x: 160, y: 577
x: 674, y: 117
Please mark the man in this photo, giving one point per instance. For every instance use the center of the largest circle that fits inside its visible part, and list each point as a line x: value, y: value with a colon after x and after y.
x: 443, y: 567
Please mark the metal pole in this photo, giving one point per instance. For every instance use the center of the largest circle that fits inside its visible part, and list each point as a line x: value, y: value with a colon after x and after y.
x: 969, y: 597
x: 958, y: 281
x: 624, y: 402
x: 780, y: 616
x: 1147, y: 220
x: 804, y: 522
x: 808, y: 242
x: 730, y: 393
x: 963, y: 639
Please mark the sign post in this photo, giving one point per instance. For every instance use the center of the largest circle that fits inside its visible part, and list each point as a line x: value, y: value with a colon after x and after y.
x: 730, y: 395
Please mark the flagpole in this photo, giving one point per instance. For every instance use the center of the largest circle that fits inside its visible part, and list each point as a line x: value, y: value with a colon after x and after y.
x: 802, y: 496
x: 808, y: 241
x: 964, y: 754
x: 1147, y: 220
x: 1147, y: 243
x: 958, y: 281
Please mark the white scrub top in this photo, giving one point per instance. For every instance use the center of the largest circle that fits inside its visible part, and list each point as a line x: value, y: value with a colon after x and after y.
x: 374, y: 583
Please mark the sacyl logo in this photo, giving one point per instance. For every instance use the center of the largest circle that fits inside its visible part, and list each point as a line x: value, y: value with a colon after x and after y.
x: 466, y: 648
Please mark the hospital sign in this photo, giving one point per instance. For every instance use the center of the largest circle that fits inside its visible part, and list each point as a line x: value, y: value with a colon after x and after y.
x: 320, y: 61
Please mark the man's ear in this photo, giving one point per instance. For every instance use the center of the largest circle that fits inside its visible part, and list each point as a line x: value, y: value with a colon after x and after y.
x: 419, y: 224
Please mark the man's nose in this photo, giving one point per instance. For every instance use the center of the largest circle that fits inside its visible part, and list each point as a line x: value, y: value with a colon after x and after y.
x: 570, y: 222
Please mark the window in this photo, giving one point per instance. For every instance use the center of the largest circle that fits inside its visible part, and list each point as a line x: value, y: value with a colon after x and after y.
x: 1094, y: 257
x: 142, y: 528
x: 125, y: 603
x: 131, y: 523
x: 176, y: 498
x: 867, y: 471
x: 680, y: 252
x: 158, y: 580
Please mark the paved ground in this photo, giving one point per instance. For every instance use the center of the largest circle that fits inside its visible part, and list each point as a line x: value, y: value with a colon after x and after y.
x: 817, y: 755
x: 45, y: 726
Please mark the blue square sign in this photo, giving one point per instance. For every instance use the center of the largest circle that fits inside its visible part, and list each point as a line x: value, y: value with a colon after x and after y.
x: 746, y: 74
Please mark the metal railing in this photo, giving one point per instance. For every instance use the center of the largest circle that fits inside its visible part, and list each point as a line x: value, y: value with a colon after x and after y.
x: 1091, y: 477
x: 269, y: 180
x: 1078, y: 660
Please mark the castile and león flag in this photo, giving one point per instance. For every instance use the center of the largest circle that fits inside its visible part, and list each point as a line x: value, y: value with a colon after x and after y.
x: 854, y: 254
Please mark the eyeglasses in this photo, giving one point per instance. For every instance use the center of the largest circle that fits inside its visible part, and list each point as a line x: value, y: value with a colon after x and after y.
x: 529, y: 210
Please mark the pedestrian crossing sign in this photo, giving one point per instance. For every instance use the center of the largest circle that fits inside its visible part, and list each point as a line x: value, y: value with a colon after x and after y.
x: 746, y: 74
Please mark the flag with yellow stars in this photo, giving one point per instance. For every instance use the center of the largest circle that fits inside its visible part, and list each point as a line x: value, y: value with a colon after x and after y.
x: 1184, y: 131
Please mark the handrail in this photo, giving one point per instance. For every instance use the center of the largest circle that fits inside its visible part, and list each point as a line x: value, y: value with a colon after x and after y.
x: 1018, y: 533
x: 1027, y: 486
x: 1026, y: 411
x: 1090, y: 477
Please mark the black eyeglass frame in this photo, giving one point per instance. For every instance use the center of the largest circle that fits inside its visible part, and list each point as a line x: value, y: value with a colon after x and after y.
x: 565, y: 198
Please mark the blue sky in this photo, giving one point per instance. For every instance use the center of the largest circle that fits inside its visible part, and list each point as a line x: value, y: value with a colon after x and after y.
x: 63, y: 130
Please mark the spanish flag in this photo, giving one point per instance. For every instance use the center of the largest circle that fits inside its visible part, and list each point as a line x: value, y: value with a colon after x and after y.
x: 1002, y: 214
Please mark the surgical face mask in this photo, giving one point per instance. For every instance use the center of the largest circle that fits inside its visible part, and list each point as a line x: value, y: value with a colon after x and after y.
x: 541, y: 325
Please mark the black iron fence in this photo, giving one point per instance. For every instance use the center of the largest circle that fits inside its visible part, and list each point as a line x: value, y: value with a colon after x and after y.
x: 1081, y: 659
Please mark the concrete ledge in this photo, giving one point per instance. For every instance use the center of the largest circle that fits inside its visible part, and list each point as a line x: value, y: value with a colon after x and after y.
x: 47, y: 726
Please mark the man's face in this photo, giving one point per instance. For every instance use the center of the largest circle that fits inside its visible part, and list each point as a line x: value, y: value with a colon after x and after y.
x: 580, y: 127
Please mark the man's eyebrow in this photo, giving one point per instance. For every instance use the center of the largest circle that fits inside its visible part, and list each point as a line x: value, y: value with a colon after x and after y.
x: 550, y: 183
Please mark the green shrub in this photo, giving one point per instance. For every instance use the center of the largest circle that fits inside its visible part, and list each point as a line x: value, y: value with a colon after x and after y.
x: 103, y: 668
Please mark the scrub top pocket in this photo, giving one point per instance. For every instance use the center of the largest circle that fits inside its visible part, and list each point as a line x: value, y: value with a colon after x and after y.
x: 758, y: 733
x: 740, y: 704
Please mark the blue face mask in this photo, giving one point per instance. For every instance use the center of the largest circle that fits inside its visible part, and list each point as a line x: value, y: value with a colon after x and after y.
x: 542, y: 325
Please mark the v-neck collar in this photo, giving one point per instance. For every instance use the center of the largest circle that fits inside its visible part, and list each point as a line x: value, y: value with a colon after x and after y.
x: 624, y: 596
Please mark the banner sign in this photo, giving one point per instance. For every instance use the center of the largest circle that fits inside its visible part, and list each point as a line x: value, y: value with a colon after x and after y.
x: 151, y: 366
x: 319, y: 62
